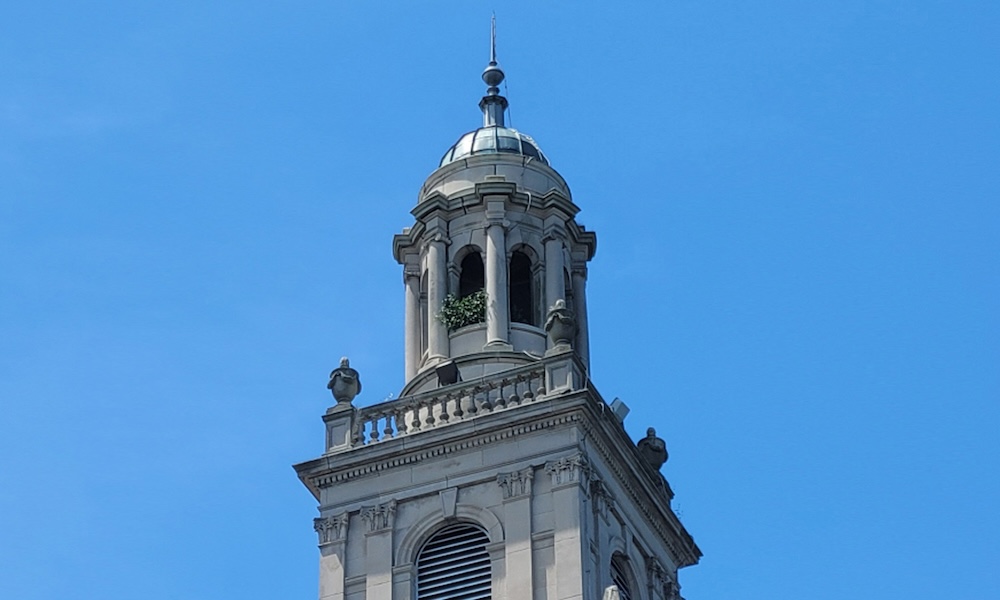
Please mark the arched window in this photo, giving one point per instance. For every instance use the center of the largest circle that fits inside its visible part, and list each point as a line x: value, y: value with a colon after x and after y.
x: 621, y: 575
x: 473, y: 276
x: 454, y: 565
x: 522, y: 302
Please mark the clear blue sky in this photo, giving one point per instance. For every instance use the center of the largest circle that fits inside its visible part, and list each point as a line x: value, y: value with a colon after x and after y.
x: 796, y: 282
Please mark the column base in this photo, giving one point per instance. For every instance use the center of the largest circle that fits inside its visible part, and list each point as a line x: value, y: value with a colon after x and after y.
x: 498, y: 346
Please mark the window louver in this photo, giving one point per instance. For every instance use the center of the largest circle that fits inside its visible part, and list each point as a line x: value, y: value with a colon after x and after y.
x: 619, y: 575
x: 454, y: 565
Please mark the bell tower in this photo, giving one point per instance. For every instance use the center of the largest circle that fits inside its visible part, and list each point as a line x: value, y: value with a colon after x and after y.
x: 500, y: 471
x: 494, y: 245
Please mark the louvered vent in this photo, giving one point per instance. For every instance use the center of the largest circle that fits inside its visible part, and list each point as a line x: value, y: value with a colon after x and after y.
x: 619, y: 574
x: 454, y: 565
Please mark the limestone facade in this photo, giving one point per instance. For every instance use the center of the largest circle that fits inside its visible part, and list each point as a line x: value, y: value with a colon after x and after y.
x: 551, y: 476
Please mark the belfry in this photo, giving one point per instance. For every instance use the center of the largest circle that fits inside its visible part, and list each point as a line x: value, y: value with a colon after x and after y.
x: 500, y: 471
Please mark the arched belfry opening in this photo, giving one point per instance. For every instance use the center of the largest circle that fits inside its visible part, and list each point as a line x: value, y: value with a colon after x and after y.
x: 454, y: 565
x: 522, y: 295
x: 472, y: 275
x: 621, y: 575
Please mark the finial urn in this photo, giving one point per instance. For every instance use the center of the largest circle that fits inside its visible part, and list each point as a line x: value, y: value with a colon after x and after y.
x: 652, y: 449
x: 560, y: 325
x: 344, y: 383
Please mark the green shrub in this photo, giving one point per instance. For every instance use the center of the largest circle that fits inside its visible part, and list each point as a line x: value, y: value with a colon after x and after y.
x: 459, y: 312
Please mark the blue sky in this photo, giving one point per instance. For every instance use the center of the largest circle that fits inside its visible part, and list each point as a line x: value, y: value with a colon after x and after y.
x: 796, y: 280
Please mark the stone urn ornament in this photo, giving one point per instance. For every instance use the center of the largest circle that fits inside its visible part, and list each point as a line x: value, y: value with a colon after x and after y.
x: 652, y: 449
x: 560, y: 325
x: 344, y: 383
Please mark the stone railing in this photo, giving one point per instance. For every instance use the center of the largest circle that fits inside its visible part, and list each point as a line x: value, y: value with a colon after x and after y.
x: 457, y: 402
x: 348, y: 427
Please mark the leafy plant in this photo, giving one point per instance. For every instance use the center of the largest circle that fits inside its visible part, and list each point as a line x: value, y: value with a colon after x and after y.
x: 459, y: 312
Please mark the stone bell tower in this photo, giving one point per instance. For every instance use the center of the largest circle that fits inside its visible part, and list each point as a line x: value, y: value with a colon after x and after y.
x: 500, y: 471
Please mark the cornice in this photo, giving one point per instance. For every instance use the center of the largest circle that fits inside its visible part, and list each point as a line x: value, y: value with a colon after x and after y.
x: 642, y: 494
x: 321, y: 473
x: 584, y: 407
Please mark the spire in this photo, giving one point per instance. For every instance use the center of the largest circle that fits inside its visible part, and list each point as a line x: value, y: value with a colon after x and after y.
x: 493, y: 104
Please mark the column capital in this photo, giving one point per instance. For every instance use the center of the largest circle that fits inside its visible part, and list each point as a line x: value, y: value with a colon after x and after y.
x: 570, y: 470
x: 432, y: 238
x: 331, y: 529
x: 554, y: 233
x: 603, y: 499
x: 380, y: 517
x: 516, y: 484
x: 494, y: 220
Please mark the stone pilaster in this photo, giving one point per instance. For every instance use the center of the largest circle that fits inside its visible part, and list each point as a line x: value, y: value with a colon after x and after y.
x: 569, y: 476
x: 332, y: 533
x: 516, y: 488
x: 659, y: 581
x: 378, y: 521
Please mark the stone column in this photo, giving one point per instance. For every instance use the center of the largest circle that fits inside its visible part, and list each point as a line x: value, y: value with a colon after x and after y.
x: 517, y: 517
x: 496, y: 275
x: 411, y: 279
x: 332, y: 533
x: 580, y: 308
x: 378, y: 549
x: 555, y: 286
x: 437, y: 289
x: 569, y: 476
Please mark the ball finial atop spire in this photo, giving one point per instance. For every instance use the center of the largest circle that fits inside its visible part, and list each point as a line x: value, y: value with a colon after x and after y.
x: 493, y: 104
x: 493, y: 74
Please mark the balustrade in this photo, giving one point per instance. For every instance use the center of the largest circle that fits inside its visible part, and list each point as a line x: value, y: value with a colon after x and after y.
x: 462, y: 401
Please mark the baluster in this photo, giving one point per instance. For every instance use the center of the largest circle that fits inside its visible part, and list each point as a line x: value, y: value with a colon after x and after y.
x: 390, y: 418
x: 486, y: 404
x: 374, y: 432
x: 514, y: 399
x: 458, y: 406
x: 473, y: 409
x: 501, y: 401
x: 415, y: 423
x: 401, y: 421
x: 430, y: 413
x: 443, y: 415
